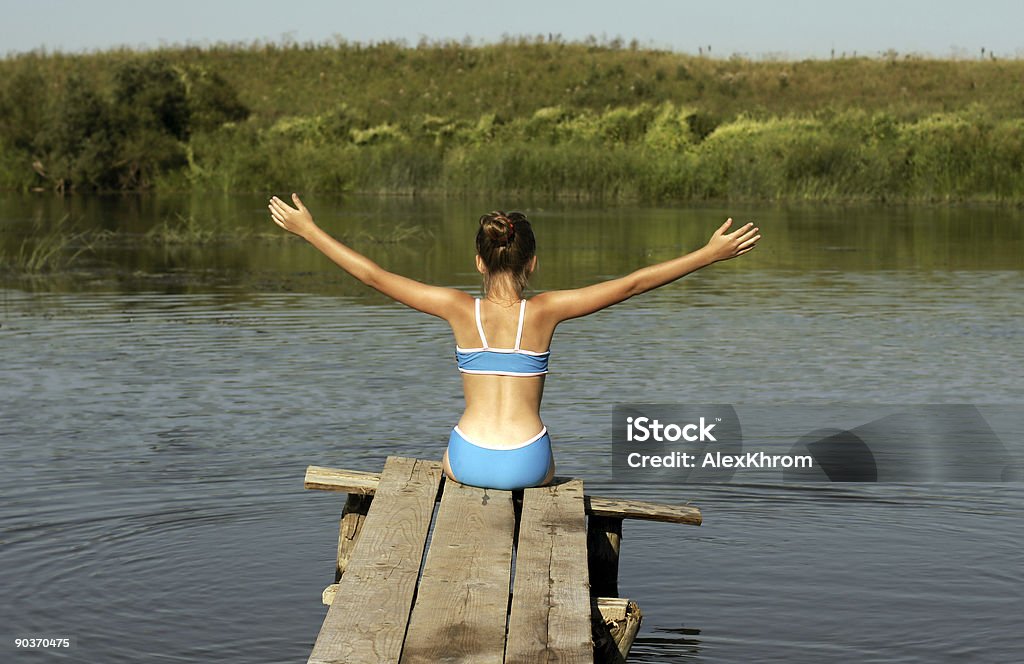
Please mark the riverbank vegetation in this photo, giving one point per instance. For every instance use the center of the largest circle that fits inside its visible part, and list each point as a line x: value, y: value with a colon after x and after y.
x: 601, y: 120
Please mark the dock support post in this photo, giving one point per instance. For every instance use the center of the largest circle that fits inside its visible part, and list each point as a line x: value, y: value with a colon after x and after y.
x: 351, y: 524
x: 603, y: 537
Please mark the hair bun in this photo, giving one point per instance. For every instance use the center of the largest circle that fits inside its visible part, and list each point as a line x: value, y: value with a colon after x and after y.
x: 498, y: 227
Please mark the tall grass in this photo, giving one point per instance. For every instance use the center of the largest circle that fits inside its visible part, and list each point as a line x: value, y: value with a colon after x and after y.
x: 181, y: 230
x: 587, y: 119
x: 636, y: 153
x: 49, y: 249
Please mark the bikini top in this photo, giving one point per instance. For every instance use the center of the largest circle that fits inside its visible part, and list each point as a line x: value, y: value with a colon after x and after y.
x: 501, y: 361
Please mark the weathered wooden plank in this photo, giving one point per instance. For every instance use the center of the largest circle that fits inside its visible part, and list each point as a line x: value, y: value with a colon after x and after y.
x: 614, y: 625
x: 638, y: 509
x: 336, y: 479
x: 550, y: 618
x: 367, y: 620
x: 463, y: 595
x: 609, y: 609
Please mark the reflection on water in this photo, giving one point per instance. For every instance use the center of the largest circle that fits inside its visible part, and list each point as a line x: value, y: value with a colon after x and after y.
x: 161, y: 401
x: 229, y: 241
x: 667, y: 644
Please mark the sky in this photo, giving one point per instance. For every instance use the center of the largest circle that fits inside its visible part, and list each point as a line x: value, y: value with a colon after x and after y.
x: 790, y: 29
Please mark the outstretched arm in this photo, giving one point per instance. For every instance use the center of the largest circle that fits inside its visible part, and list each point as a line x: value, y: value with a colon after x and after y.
x: 566, y: 304
x: 434, y: 300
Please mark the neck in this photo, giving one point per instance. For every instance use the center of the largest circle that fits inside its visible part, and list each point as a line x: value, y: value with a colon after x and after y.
x: 501, y: 291
x: 502, y: 298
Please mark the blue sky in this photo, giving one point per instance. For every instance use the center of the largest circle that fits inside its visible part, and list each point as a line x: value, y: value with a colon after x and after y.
x: 781, y: 28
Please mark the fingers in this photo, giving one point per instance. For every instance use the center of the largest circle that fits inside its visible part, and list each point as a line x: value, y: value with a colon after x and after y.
x: 281, y: 206
x: 298, y: 202
x: 747, y: 231
x: 745, y: 228
x: 724, y: 227
x: 750, y: 242
x: 278, y: 212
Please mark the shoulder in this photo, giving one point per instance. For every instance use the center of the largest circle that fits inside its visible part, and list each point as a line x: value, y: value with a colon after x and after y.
x: 461, y: 306
x: 460, y: 298
x: 546, y: 305
x: 561, y: 305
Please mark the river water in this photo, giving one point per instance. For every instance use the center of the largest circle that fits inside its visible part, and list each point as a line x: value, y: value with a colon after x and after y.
x: 163, y: 394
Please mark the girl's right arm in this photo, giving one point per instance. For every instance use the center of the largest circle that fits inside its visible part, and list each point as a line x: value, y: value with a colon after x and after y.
x: 434, y: 300
x: 566, y: 304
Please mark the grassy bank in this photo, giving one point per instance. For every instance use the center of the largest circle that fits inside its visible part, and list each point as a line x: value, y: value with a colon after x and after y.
x: 585, y: 119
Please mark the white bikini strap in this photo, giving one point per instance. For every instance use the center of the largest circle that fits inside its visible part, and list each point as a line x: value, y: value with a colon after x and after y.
x: 522, y: 316
x: 479, y: 325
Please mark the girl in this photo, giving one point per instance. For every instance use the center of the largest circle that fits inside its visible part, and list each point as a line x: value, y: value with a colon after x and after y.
x: 501, y: 341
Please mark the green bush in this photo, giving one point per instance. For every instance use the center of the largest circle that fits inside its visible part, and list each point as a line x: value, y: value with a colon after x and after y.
x: 211, y: 100
x: 591, y: 119
x: 123, y: 138
x: 79, y: 143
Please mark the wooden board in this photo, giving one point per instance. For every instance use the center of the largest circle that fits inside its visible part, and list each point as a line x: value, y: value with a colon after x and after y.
x: 639, y: 509
x: 463, y: 595
x: 336, y: 479
x: 550, y: 619
x: 367, y: 620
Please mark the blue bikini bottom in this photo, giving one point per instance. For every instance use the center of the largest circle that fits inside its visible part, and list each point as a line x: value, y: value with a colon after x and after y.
x: 500, y: 468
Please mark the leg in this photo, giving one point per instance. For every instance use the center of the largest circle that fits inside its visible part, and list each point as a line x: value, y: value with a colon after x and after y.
x: 551, y: 471
x: 447, y: 468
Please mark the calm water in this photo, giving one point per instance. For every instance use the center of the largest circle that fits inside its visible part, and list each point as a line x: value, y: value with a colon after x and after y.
x: 160, y: 402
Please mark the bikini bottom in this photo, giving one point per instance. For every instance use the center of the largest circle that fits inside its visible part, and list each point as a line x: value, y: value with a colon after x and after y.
x: 506, y: 468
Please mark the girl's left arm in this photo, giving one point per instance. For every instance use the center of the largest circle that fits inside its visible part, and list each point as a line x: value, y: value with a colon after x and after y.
x: 433, y: 300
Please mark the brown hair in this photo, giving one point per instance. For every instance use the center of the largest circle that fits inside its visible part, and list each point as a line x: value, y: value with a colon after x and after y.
x: 506, y: 244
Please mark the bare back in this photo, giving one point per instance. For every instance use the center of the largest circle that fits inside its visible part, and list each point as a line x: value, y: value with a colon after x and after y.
x: 502, y: 410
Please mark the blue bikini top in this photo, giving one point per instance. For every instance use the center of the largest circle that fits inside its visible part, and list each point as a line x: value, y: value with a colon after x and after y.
x: 502, y: 361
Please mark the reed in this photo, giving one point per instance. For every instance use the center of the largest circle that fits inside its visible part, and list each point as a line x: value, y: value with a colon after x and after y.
x: 181, y: 229
x: 49, y: 248
x: 636, y: 153
x: 590, y: 119
x: 396, y: 234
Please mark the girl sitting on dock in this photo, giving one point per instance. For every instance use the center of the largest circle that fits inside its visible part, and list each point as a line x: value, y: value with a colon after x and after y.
x: 501, y: 341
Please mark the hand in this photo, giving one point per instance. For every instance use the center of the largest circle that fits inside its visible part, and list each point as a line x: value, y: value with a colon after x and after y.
x: 298, y: 221
x: 724, y: 246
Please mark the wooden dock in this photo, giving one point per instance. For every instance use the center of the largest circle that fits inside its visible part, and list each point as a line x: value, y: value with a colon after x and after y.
x: 502, y: 577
